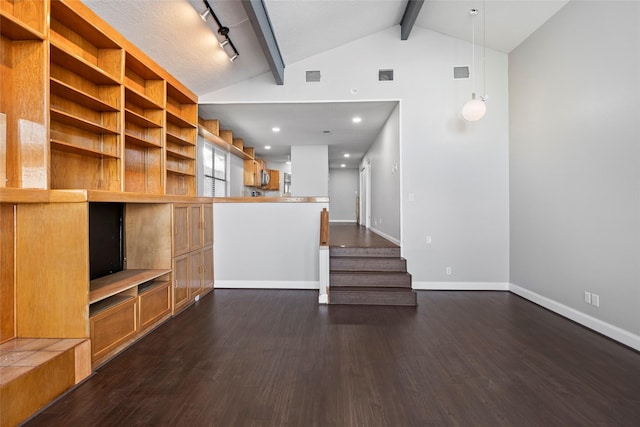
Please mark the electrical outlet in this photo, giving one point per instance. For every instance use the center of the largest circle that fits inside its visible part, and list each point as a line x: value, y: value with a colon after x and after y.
x: 448, y: 271
x: 587, y: 297
x: 428, y: 240
x: 595, y: 300
x: 412, y: 197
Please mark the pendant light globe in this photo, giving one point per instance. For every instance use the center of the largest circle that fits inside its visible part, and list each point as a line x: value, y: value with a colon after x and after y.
x: 474, y: 109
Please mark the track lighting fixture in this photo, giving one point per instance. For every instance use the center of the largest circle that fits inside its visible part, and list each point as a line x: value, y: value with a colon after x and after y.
x: 226, y: 44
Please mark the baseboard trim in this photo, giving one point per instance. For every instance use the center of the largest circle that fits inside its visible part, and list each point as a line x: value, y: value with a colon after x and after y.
x: 351, y: 221
x: 460, y: 286
x: 386, y: 236
x: 615, y: 333
x: 265, y: 284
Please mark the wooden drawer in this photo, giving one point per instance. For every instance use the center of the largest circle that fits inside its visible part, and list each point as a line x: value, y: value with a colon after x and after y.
x: 154, y: 304
x: 112, y: 327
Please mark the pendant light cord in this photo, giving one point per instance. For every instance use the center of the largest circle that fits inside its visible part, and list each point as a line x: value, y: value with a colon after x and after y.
x: 484, y: 50
x: 473, y: 55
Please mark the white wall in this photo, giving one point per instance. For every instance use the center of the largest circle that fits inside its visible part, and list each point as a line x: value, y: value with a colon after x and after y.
x: 384, y: 160
x: 343, y: 193
x: 575, y: 161
x: 267, y: 245
x: 457, y: 172
x: 236, y: 177
x: 310, y: 170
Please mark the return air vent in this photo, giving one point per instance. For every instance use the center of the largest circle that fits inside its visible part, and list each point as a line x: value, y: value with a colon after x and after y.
x: 385, y: 75
x: 461, y: 72
x: 313, y: 76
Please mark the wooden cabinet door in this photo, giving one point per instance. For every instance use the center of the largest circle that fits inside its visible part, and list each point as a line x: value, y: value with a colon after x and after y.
x: 180, y: 281
x: 207, y: 267
x: 180, y: 229
x: 195, y: 273
x: 274, y: 179
x: 195, y: 227
x: 249, y: 173
x: 208, y: 224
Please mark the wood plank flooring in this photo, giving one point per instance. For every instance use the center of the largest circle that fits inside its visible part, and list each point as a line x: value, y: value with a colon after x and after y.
x: 351, y: 235
x: 277, y: 358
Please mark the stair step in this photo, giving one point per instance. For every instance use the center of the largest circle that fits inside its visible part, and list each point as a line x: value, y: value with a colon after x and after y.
x: 367, y: 264
x: 335, y: 251
x: 373, y: 296
x: 369, y: 279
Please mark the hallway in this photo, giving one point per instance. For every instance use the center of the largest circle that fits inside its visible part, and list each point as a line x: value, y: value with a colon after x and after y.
x: 345, y: 234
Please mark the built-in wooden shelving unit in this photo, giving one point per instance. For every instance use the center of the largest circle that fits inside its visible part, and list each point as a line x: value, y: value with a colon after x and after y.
x: 111, y: 119
x: 87, y: 118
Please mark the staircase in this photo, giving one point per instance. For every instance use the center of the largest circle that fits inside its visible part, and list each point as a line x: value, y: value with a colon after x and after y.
x: 369, y: 276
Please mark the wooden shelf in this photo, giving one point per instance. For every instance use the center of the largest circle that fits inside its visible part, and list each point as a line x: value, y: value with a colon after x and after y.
x: 172, y: 117
x: 133, y: 139
x: 107, y: 303
x: 148, y: 287
x: 140, y: 69
x: 65, y: 15
x: 78, y: 122
x: 178, y: 140
x: 76, y: 95
x: 140, y: 99
x: 179, y: 172
x: 221, y: 143
x: 179, y: 96
x: 84, y: 151
x: 80, y: 66
x: 140, y: 120
x: 110, y: 285
x: 180, y: 155
x: 14, y: 29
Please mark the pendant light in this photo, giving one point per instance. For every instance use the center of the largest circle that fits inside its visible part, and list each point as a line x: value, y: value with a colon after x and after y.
x: 474, y: 109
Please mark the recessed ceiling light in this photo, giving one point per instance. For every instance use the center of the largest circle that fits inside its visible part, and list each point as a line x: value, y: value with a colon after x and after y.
x: 356, y: 119
x: 343, y: 165
x: 347, y: 155
x: 275, y: 129
x: 267, y: 147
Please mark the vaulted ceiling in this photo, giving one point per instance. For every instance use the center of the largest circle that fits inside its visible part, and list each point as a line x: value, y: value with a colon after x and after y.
x: 172, y: 33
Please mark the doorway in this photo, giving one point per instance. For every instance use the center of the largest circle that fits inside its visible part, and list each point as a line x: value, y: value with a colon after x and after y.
x: 365, y: 195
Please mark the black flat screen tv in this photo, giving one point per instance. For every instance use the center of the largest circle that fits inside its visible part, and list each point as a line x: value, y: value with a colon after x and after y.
x: 106, y: 239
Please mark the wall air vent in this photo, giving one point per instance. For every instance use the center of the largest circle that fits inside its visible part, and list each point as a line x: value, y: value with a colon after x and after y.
x: 385, y: 75
x: 313, y: 76
x: 461, y: 72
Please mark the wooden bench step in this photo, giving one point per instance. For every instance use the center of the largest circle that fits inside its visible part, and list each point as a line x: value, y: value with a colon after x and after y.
x: 34, y: 371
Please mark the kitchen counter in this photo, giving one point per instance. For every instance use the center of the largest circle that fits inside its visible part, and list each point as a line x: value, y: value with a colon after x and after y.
x: 260, y: 199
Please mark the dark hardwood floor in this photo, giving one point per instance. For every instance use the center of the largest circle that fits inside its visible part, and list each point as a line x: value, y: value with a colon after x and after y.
x: 349, y: 235
x: 277, y: 358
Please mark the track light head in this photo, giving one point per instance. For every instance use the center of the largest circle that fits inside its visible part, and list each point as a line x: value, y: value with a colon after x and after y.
x: 205, y: 14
